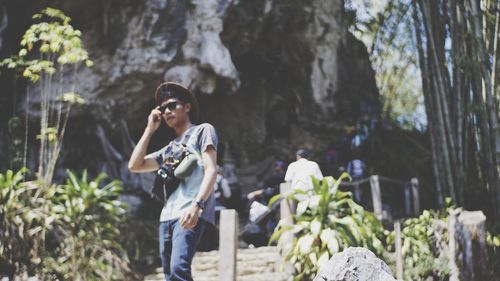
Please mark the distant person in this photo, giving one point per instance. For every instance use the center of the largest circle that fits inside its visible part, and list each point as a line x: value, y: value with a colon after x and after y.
x: 357, y: 170
x: 270, y: 185
x: 299, y: 172
x: 263, y: 219
x: 222, y: 190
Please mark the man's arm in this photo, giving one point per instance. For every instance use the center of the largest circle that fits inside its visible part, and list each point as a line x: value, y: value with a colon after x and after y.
x: 226, y: 190
x: 140, y: 162
x: 317, y: 173
x: 209, y: 156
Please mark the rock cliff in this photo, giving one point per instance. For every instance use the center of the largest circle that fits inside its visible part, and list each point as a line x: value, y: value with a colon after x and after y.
x: 271, y: 75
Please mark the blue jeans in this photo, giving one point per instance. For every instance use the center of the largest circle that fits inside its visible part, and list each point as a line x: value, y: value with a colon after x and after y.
x: 177, y: 248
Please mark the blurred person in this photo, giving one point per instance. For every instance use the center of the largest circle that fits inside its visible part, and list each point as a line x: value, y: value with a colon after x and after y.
x: 222, y: 190
x: 299, y: 172
x: 356, y: 168
x: 271, y: 185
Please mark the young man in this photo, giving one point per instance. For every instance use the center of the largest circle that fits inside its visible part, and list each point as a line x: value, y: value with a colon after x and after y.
x: 191, y: 205
x: 299, y: 172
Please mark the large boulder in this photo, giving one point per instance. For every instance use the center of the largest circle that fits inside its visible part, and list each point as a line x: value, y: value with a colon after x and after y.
x: 355, y: 264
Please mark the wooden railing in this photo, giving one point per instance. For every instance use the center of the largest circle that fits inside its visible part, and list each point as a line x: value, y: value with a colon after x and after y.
x: 411, y: 193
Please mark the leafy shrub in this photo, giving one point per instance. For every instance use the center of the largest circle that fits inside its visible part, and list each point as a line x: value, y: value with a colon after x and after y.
x: 66, y: 232
x: 24, y: 219
x: 424, y: 246
x: 326, y: 222
x: 89, y: 217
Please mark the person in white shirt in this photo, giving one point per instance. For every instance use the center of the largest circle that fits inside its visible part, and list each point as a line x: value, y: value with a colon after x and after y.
x: 299, y: 172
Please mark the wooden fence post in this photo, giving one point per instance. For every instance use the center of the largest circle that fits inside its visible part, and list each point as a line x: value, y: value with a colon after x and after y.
x: 472, y: 239
x: 228, y: 244
x: 468, y: 251
x: 286, y: 209
x: 399, y: 253
x: 357, y: 193
x: 286, y: 215
x: 376, y: 196
x: 416, y: 196
x: 407, y: 195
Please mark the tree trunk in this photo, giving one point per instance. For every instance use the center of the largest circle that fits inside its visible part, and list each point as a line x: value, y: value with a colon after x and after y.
x: 468, y: 252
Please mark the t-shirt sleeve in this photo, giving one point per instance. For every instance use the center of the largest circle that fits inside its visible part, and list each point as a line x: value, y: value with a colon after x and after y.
x: 289, y: 173
x: 157, y: 155
x: 318, y: 173
x: 206, y: 137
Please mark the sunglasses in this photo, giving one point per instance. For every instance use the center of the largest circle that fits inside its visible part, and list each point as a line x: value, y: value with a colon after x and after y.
x: 171, y: 106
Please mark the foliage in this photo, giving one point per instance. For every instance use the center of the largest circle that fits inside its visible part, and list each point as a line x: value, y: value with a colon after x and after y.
x: 23, y: 222
x: 70, y: 231
x: 493, y: 245
x: 15, y: 142
x: 452, y: 46
x: 90, y: 216
x: 55, y: 41
x: 326, y: 222
x: 424, y: 240
x: 458, y: 62
x: 46, y: 47
x: 67, y: 232
x: 386, y: 27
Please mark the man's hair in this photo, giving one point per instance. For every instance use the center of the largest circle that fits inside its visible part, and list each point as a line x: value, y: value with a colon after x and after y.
x: 169, y: 90
x: 302, y: 153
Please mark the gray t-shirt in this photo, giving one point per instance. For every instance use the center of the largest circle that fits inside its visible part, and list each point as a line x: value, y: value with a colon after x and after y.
x: 198, y: 138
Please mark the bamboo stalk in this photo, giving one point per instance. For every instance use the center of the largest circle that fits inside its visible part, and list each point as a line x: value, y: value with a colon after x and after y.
x: 441, y: 101
x: 491, y: 120
x: 428, y: 105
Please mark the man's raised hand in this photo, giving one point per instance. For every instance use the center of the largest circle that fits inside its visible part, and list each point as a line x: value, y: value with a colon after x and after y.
x: 154, y: 120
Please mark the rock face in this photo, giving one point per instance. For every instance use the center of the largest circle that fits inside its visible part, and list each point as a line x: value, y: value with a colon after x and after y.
x: 270, y: 75
x: 355, y: 264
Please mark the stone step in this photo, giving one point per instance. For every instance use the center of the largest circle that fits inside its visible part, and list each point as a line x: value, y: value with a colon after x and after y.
x: 257, y: 264
x: 250, y: 277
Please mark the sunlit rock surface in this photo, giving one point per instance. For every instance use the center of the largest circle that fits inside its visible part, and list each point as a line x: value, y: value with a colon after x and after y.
x: 270, y: 75
x: 355, y: 264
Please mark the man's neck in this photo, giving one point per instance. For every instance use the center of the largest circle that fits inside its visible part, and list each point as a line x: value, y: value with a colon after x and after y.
x: 182, y: 129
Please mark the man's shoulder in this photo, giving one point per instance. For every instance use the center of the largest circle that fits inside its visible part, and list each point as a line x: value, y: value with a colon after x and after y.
x: 205, y: 128
x: 293, y: 164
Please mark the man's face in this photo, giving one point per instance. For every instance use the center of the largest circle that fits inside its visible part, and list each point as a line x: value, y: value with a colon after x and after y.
x: 175, y: 112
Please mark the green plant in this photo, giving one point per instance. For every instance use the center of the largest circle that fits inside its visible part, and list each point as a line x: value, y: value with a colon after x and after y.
x: 424, y: 244
x: 46, y: 48
x: 24, y: 221
x: 327, y: 221
x: 89, y: 219
x: 69, y: 232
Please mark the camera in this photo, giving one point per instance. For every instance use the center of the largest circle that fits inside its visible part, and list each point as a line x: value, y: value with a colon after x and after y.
x: 168, y: 177
x: 166, y: 173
